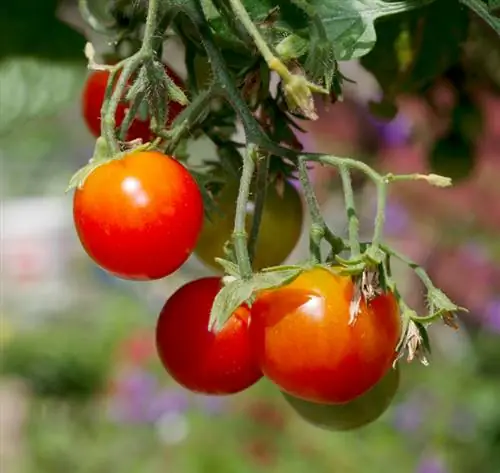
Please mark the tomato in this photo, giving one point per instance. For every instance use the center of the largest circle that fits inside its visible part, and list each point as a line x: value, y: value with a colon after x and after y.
x: 93, y: 96
x: 280, y: 227
x: 200, y: 360
x: 357, y: 413
x: 139, y: 217
x: 307, y: 347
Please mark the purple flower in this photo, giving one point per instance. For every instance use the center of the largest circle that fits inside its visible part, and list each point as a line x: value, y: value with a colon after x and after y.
x: 393, y: 133
x: 431, y: 464
x: 408, y: 416
x: 168, y: 401
x: 492, y: 316
x: 138, y: 384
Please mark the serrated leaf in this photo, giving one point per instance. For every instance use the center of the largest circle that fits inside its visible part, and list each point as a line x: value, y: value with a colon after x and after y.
x: 239, y: 291
x: 350, y: 25
x: 275, y: 278
x: 229, y: 298
x: 33, y: 88
x: 229, y: 267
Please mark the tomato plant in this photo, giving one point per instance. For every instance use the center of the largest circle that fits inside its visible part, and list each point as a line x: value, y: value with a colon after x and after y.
x: 362, y: 411
x: 197, y: 358
x: 282, y: 213
x: 93, y: 97
x: 305, y: 344
x: 139, y: 216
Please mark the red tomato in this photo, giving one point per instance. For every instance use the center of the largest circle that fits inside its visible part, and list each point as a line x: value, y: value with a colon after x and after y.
x: 305, y: 345
x: 139, y: 217
x: 93, y: 96
x: 362, y: 411
x: 204, y: 362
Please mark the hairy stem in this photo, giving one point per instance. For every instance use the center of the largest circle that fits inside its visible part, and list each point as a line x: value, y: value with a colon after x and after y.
x: 272, y: 61
x: 319, y: 228
x: 239, y: 236
x: 260, y: 199
x: 352, y: 216
x: 380, y: 215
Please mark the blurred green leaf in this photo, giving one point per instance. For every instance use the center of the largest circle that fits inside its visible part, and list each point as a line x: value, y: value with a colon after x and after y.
x: 31, y: 28
x: 32, y: 88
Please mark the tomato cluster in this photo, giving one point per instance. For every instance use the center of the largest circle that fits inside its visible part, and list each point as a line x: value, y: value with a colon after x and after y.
x: 140, y: 216
x: 333, y: 373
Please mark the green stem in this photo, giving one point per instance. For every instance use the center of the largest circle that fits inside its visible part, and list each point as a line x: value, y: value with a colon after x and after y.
x: 113, y: 97
x: 380, y: 216
x: 352, y: 216
x: 239, y: 236
x: 419, y: 271
x: 260, y: 199
x: 188, y: 119
x: 150, y: 29
x: 130, y: 115
x: 319, y: 228
x: 272, y: 61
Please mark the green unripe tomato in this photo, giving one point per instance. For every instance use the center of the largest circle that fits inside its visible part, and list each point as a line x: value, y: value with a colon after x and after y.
x: 280, y: 226
x: 355, y: 414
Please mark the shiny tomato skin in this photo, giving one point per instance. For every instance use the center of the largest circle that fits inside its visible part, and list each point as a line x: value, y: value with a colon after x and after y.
x: 355, y: 414
x: 93, y: 96
x: 306, y: 346
x: 199, y: 360
x: 280, y: 227
x: 139, y: 217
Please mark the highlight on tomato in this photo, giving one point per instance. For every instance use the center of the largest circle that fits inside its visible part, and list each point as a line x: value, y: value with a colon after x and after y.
x: 279, y: 232
x: 198, y: 359
x: 362, y: 411
x: 93, y: 97
x: 139, y: 216
x: 306, y: 346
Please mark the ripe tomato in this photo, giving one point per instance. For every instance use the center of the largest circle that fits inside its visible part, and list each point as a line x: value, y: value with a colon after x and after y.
x: 204, y: 362
x: 306, y: 346
x: 357, y: 413
x: 93, y: 96
x: 139, y: 217
x: 280, y: 227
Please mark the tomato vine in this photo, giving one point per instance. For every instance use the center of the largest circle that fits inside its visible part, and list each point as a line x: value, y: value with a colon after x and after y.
x: 295, y: 43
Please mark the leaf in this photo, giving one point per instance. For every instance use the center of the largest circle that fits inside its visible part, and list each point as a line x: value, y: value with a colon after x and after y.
x: 229, y: 298
x: 349, y: 25
x: 411, y: 51
x: 32, y: 88
x: 239, y: 291
x: 30, y: 28
x: 483, y: 11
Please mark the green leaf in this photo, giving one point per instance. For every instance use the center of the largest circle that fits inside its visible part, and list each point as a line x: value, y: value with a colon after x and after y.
x: 411, y: 51
x: 30, y: 28
x: 239, y: 291
x: 228, y: 300
x: 32, y: 88
x: 349, y: 25
x: 484, y: 11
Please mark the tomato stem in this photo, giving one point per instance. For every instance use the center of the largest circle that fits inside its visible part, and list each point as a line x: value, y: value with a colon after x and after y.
x: 319, y: 229
x: 259, y: 201
x: 380, y: 215
x: 350, y: 206
x: 239, y: 236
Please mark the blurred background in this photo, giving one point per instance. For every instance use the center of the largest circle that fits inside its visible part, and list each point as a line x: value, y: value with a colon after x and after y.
x: 81, y: 390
